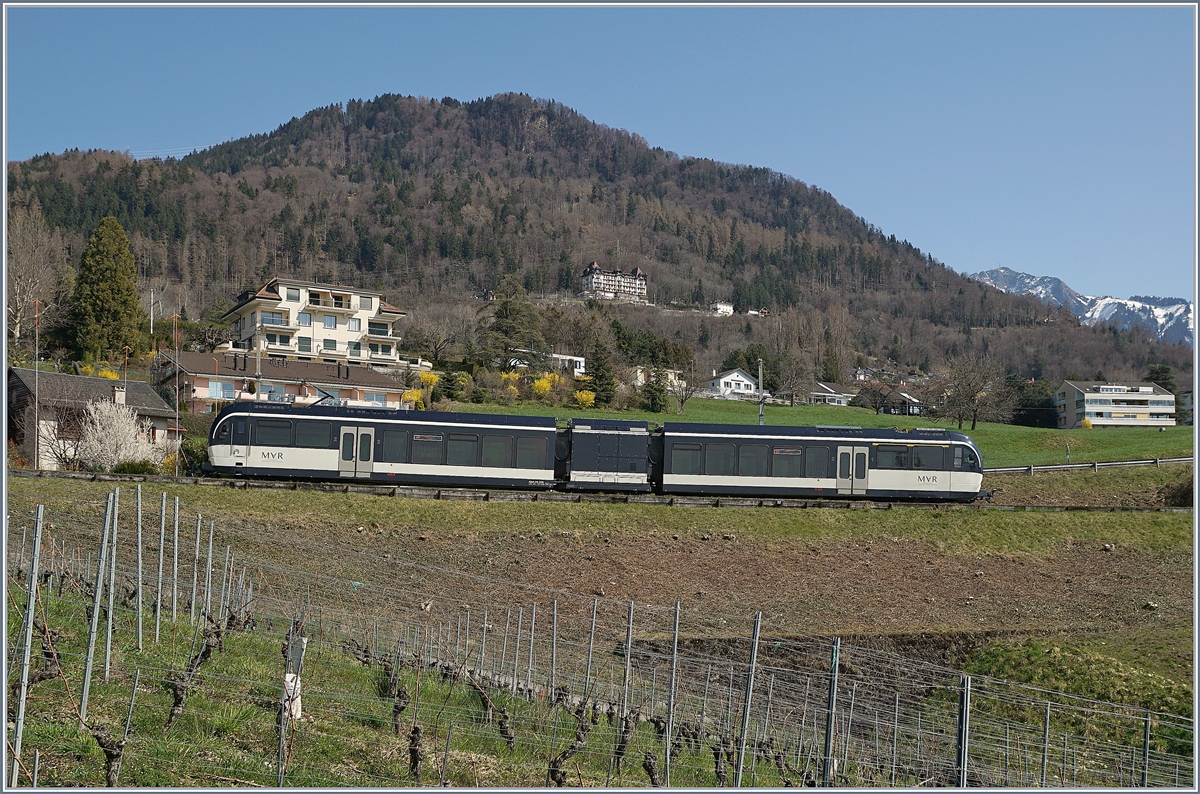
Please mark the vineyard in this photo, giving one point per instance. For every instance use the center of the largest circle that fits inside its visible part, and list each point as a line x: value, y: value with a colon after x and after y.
x: 160, y: 655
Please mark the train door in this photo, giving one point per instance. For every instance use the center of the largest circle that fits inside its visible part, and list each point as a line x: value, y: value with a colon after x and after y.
x: 354, y: 451
x: 852, y: 470
x: 239, y: 440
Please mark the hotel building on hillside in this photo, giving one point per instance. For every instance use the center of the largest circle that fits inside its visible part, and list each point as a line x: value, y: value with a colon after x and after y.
x: 1114, y: 404
x: 614, y: 284
x: 307, y: 321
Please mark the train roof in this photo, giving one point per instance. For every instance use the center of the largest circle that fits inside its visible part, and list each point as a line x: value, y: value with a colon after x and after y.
x: 346, y: 412
x: 873, y: 433
x: 619, y: 425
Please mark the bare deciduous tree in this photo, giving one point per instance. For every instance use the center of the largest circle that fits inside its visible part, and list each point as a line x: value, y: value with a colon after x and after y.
x: 37, y: 269
x: 684, y: 387
x: 973, y: 387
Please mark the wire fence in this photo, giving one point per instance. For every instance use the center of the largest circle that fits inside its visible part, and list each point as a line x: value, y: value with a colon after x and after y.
x: 1094, y: 466
x: 519, y: 684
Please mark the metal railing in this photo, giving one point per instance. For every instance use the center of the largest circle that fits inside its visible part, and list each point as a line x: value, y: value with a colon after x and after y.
x: 1094, y: 465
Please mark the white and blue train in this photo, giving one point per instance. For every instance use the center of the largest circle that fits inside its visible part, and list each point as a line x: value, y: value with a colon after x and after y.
x: 605, y: 455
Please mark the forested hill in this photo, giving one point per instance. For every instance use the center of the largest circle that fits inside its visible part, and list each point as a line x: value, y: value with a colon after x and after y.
x: 439, y: 200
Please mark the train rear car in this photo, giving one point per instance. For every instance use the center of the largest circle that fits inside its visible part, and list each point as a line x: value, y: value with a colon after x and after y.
x: 821, y: 462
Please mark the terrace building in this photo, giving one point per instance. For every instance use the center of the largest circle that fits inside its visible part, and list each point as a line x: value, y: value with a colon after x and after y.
x: 307, y: 321
x: 1108, y: 404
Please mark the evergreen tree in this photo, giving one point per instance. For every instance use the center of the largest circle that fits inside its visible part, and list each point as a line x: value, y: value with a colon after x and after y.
x: 654, y: 393
x: 600, y: 368
x: 107, y: 314
x: 515, y: 326
x: 1163, y: 376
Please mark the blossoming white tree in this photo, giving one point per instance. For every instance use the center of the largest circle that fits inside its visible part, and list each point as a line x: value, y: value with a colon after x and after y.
x: 112, y: 434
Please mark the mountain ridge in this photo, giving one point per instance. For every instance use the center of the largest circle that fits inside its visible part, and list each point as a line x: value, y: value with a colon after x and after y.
x: 1169, y: 319
x: 439, y: 200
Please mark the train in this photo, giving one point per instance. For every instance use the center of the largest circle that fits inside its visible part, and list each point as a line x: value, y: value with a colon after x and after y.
x: 486, y: 451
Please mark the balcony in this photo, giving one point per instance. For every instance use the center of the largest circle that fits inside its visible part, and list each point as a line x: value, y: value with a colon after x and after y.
x: 349, y: 306
x: 382, y: 333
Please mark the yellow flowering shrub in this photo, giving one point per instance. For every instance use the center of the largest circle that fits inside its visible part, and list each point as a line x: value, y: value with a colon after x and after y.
x: 415, y: 397
x: 585, y: 398
x: 544, y: 385
x: 510, y: 378
x: 108, y: 373
x: 429, y: 379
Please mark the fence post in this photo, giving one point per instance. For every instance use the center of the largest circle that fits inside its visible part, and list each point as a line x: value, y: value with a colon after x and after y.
x: 483, y: 641
x: 195, y: 569
x: 895, y: 736
x: 587, y: 681
x: 553, y: 646
x: 93, y: 629
x: 517, y: 649
x: 27, y: 642
x: 964, y: 728
x: 212, y: 527
x: 1145, y: 752
x: 137, y: 674
x: 628, y: 673
x: 671, y: 699
x: 175, y: 565
x: 704, y: 697
x: 504, y: 647
x: 162, y: 537
x: 1045, y: 744
x: 529, y: 670
x: 829, y: 713
x: 741, y: 755
x: 112, y: 581
x: 139, y: 567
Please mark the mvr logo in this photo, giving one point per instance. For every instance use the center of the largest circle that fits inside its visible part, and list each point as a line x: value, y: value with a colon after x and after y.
x: 273, y: 455
x: 927, y: 478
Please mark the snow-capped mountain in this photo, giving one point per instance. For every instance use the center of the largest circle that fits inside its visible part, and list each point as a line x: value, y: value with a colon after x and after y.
x: 1171, y: 319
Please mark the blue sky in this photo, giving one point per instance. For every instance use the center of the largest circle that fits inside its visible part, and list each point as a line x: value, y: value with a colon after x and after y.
x: 1055, y: 141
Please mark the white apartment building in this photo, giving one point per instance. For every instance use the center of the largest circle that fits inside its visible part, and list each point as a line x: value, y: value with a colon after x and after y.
x: 1114, y: 405
x: 721, y: 308
x: 307, y: 321
x: 614, y: 284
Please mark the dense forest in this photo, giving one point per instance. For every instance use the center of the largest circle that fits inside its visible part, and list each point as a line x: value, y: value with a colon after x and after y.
x: 436, y: 202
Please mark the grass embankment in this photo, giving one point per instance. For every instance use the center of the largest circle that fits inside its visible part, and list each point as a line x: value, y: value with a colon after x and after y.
x: 1133, y: 486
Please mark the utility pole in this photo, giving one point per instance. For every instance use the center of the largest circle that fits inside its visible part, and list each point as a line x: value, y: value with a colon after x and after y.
x: 127, y: 348
x: 761, y: 396
x: 37, y: 427
x: 179, y: 451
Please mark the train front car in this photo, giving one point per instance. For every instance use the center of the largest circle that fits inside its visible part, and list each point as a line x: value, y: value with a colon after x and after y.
x: 383, y: 446
x: 926, y: 464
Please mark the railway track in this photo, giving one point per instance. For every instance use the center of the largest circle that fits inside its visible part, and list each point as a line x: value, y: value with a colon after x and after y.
x: 471, y: 495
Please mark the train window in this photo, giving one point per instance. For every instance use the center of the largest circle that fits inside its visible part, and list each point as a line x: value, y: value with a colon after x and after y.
x: 395, y: 444
x: 860, y: 466
x: 462, y: 449
x: 498, y: 451
x: 364, y: 446
x: 719, y: 460
x: 312, y: 434
x: 786, y: 462
x: 928, y: 458
x: 427, y: 448
x: 685, y: 458
x: 347, y: 446
x: 531, y: 453
x: 816, y: 463
x: 844, y: 466
x: 273, y: 432
x: 893, y: 457
x: 753, y: 460
x: 222, y: 436
x: 958, y: 457
x: 964, y: 459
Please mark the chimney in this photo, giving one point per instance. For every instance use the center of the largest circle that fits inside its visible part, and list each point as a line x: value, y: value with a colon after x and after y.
x: 118, y: 394
x: 714, y: 373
